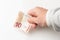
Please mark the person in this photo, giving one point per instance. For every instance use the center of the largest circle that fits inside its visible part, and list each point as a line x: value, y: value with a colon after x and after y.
x: 45, y: 18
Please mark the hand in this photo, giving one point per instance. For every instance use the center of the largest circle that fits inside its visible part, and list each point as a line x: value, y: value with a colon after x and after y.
x: 38, y: 17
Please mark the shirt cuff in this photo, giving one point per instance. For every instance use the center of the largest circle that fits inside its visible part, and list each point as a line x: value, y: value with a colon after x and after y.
x: 49, y: 18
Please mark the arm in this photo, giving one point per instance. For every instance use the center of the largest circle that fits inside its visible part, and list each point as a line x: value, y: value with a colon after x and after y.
x: 44, y: 17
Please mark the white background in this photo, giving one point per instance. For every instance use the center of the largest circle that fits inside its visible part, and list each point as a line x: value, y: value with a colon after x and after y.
x: 8, y: 12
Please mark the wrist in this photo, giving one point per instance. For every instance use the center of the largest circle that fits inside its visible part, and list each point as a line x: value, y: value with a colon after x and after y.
x: 45, y: 23
x: 45, y: 19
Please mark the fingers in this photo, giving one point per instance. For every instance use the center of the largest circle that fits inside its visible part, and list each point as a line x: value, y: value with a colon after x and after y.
x: 32, y: 13
x: 32, y: 20
x: 33, y: 26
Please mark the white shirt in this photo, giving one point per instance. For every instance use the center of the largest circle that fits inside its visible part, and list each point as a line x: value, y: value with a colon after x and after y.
x: 53, y: 19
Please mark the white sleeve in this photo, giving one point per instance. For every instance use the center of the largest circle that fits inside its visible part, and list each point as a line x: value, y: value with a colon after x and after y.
x: 53, y: 19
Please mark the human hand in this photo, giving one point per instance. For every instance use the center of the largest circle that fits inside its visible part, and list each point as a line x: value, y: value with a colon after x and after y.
x: 38, y: 17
